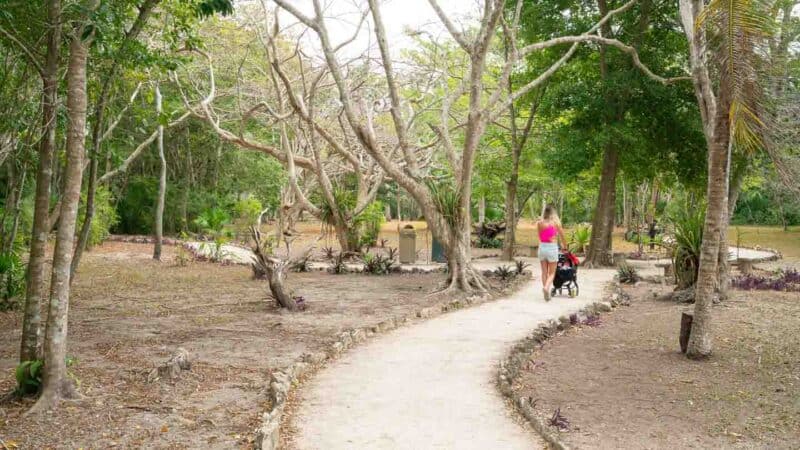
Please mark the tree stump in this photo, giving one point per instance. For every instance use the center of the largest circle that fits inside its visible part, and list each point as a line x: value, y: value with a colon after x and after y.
x: 686, y: 329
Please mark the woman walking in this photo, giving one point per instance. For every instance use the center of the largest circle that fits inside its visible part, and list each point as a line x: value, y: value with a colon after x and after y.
x: 550, y: 232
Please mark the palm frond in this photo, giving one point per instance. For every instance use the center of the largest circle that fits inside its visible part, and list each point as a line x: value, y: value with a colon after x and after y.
x: 738, y: 33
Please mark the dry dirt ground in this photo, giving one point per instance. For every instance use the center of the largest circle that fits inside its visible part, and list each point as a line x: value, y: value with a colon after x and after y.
x: 129, y: 314
x: 625, y: 384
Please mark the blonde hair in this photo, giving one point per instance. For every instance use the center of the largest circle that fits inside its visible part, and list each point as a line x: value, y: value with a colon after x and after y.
x: 551, y: 214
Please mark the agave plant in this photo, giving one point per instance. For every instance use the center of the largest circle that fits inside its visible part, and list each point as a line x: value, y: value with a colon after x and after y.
x: 504, y: 272
x: 688, y: 225
x: 627, y: 273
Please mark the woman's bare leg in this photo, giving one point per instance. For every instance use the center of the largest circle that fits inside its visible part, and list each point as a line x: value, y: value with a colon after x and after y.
x: 545, y: 273
x: 551, y: 275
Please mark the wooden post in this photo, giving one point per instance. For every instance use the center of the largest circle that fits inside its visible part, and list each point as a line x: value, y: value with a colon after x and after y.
x: 686, y: 329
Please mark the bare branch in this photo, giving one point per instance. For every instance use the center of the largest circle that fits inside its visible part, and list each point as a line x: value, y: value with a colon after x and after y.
x: 451, y: 28
x: 25, y: 50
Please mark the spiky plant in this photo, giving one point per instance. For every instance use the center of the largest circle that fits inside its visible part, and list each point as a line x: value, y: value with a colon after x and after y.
x: 504, y: 272
x: 329, y: 252
x: 579, y: 239
x: 627, y: 273
x: 338, y: 265
x: 521, y: 266
x: 688, y: 224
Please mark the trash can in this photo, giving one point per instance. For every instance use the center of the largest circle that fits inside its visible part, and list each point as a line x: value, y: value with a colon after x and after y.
x: 408, y: 245
x: 437, y: 252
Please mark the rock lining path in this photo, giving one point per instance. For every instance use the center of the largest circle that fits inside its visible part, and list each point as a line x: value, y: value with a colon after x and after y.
x: 431, y: 385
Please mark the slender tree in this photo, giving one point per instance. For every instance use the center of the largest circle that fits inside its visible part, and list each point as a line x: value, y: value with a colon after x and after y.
x: 55, y: 383
x: 162, y: 180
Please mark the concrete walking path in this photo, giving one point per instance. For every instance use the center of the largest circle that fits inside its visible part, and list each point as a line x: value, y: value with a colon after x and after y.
x: 431, y: 385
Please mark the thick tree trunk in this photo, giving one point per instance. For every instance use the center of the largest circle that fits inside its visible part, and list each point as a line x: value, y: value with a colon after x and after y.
x: 56, y: 384
x: 162, y: 183
x: 30, y: 347
x: 715, y: 227
x: 347, y: 237
x: 600, y: 250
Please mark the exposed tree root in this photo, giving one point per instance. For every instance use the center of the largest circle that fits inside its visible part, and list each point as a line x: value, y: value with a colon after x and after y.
x: 51, y: 398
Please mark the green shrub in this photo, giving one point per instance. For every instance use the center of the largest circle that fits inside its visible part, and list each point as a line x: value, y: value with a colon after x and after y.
x: 369, y: 224
x: 105, y: 216
x: 248, y: 209
x: 12, y: 280
x: 29, y: 377
x: 212, y: 221
x: 488, y: 242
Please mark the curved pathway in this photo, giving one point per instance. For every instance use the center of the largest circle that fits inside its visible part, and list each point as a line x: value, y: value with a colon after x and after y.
x: 431, y: 385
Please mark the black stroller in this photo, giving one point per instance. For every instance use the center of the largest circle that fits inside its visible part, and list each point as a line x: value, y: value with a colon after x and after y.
x: 566, y: 275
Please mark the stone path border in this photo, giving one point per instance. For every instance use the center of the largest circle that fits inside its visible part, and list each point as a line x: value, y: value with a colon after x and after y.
x: 509, y: 368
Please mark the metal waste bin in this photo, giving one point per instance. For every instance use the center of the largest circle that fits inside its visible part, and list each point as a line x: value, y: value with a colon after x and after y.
x: 437, y: 251
x: 408, y: 245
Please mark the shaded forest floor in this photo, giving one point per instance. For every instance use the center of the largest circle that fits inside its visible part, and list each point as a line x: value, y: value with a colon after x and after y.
x: 625, y: 384
x: 129, y: 313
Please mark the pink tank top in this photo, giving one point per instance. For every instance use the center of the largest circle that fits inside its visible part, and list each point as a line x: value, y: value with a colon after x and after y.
x: 547, y: 234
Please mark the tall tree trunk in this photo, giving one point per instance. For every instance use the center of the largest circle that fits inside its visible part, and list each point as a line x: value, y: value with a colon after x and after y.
x: 162, y: 183
x: 56, y: 384
x: 482, y: 209
x: 30, y: 347
x: 600, y: 250
x: 715, y: 227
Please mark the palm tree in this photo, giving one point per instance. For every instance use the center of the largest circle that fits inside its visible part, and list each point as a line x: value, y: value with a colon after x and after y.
x: 725, y: 37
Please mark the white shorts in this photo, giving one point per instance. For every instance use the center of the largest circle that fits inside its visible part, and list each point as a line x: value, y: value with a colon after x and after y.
x: 548, y: 251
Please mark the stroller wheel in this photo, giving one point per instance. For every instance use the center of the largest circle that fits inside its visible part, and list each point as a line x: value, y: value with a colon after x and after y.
x: 571, y: 293
x: 553, y: 292
x: 576, y: 290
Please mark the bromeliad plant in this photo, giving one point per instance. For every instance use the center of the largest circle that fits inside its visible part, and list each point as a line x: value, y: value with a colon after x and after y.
x: 377, y: 264
x: 504, y: 273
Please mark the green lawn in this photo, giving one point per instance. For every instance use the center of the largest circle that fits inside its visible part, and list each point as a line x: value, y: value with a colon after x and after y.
x: 787, y: 242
